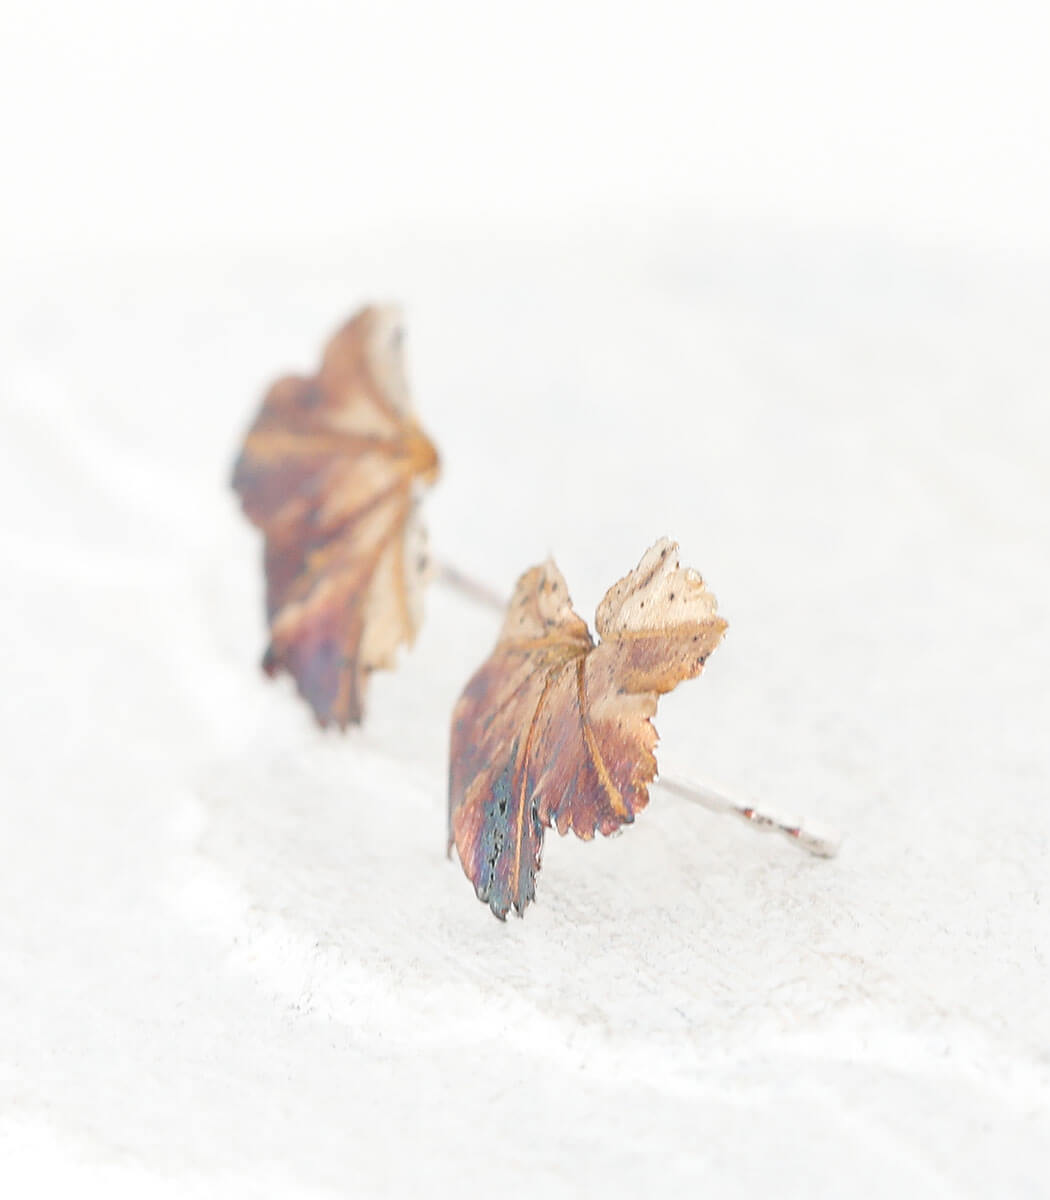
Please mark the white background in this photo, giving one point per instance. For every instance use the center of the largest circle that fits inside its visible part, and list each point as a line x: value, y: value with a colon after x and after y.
x: 236, y: 122
x: 772, y: 279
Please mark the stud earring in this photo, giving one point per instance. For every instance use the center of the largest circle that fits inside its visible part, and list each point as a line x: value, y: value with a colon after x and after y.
x: 556, y: 730
x: 331, y: 471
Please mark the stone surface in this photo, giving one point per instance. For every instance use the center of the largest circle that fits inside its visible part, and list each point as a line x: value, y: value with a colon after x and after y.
x: 233, y: 956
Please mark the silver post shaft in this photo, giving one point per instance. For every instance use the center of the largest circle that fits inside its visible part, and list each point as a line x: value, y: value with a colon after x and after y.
x: 822, y: 842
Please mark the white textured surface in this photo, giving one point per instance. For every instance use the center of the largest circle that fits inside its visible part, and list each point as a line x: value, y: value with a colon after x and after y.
x: 233, y: 957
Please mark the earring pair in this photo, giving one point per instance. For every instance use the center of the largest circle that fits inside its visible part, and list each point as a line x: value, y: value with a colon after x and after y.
x: 553, y: 729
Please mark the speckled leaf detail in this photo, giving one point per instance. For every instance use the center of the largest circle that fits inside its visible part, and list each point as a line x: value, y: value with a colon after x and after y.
x: 331, y: 472
x: 556, y: 730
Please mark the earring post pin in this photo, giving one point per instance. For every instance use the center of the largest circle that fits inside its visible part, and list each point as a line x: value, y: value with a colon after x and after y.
x: 816, y: 840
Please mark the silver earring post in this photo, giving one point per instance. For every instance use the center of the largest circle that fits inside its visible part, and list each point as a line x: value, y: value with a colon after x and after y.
x: 452, y: 577
x: 817, y: 840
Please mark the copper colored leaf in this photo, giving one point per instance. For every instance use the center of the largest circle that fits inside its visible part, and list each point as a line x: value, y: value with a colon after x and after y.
x: 330, y: 472
x: 556, y: 730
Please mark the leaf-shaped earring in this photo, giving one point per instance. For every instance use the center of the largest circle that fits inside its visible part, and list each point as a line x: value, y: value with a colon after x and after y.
x: 331, y: 472
x: 554, y: 729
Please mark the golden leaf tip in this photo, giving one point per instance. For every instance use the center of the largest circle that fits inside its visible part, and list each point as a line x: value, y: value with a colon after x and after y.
x: 657, y: 594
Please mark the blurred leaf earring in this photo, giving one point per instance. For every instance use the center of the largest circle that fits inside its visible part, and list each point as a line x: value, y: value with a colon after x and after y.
x: 331, y: 471
x: 556, y: 730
